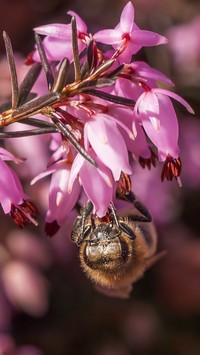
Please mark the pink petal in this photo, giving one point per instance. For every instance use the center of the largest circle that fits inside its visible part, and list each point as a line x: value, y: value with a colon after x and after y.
x: 32, y: 298
x: 127, y: 18
x: 174, y: 96
x: 166, y: 139
x: 10, y: 188
x: 124, y: 117
x: 147, y: 106
x: 81, y: 25
x: 147, y: 38
x: 56, y: 49
x: 6, y: 155
x: 108, y: 144
x: 60, y: 201
x: 138, y: 146
x: 56, y: 30
x: 145, y: 71
x: 75, y: 168
x: 95, y: 187
x: 58, y: 165
x: 126, y: 55
x: 108, y: 36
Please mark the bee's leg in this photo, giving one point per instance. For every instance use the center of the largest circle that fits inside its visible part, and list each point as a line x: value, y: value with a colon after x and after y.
x: 124, y: 192
x: 121, y: 225
x: 113, y: 214
x: 79, y: 230
x: 145, y: 215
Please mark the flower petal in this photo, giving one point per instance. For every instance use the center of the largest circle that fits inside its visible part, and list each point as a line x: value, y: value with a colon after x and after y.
x: 166, y: 139
x: 56, y: 30
x: 108, y: 36
x: 108, y: 144
x: 147, y: 38
x: 81, y: 25
x: 145, y: 71
x: 95, y: 187
x: 175, y: 97
x: 127, y: 18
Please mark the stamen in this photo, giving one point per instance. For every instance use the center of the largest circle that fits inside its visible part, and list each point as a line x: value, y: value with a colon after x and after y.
x: 24, y: 213
x: 171, y: 168
x: 148, y: 162
x: 123, y: 185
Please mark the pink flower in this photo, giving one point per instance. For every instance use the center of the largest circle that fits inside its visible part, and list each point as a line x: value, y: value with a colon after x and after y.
x: 61, y: 199
x: 58, y: 40
x: 127, y: 38
x: 157, y: 115
x: 186, y: 54
x: 32, y: 298
x: 134, y: 75
x: 106, y: 140
x: 12, y: 196
x: 97, y: 183
x: 11, y: 191
x: 190, y: 148
x: 134, y: 135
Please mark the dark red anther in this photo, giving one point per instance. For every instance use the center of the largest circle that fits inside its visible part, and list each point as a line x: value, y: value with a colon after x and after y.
x: 148, y: 162
x: 123, y: 185
x: 171, y: 168
x: 24, y: 213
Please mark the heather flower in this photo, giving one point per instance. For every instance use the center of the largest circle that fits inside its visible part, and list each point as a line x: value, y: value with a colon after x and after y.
x: 98, y: 122
x: 133, y: 75
x: 134, y: 136
x: 58, y: 40
x: 157, y: 115
x: 31, y: 299
x: 186, y: 54
x: 22, y: 258
x: 61, y: 200
x: 12, y: 197
x: 127, y: 38
x: 190, y: 148
x: 108, y: 144
x: 97, y: 183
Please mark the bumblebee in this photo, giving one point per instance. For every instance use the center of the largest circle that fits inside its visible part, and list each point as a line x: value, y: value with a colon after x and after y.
x: 115, y: 251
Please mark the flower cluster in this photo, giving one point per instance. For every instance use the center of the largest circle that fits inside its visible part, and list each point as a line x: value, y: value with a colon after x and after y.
x: 110, y: 115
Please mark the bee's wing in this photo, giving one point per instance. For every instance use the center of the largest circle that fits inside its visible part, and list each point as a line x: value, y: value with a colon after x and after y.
x: 153, y: 259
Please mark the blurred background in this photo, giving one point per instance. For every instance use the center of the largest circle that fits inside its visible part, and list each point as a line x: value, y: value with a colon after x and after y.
x: 47, y: 306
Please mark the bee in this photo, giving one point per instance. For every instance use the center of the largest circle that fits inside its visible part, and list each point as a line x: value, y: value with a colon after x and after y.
x: 115, y: 251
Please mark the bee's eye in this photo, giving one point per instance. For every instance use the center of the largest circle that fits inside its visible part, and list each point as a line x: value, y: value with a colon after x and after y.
x: 126, y: 229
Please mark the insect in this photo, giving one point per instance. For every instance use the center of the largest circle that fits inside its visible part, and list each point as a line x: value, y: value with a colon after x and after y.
x: 115, y: 251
